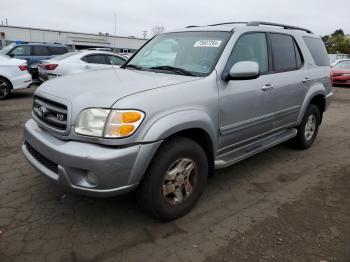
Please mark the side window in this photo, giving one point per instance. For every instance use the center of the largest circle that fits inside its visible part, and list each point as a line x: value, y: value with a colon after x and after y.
x: 23, y: 50
x: 115, y: 60
x: 95, y: 59
x: 283, y: 49
x: 251, y: 47
x: 317, y: 50
x: 40, y: 51
x: 57, y: 50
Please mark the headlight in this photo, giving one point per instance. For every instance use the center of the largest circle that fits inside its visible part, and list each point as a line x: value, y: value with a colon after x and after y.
x: 108, y: 123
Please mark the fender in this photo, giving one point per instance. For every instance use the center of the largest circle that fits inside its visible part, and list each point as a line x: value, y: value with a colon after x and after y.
x: 173, y: 123
x: 316, y: 89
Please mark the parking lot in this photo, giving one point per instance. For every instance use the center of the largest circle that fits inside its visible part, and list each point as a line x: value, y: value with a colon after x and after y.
x: 280, y: 205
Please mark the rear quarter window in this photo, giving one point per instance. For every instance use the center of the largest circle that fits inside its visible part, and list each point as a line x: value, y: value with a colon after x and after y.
x: 317, y: 50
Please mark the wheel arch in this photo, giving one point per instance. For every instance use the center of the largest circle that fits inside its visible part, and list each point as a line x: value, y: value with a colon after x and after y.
x: 7, y: 79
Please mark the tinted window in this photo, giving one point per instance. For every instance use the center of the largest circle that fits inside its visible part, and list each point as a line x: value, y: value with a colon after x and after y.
x: 251, y: 47
x: 57, y: 50
x: 283, y: 49
x: 95, y: 59
x: 40, y: 51
x: 23, y: 50
x: 317, y: 50
x: 115, y: 60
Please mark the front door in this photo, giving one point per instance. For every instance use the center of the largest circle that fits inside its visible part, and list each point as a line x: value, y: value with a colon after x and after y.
x: 246, y: 106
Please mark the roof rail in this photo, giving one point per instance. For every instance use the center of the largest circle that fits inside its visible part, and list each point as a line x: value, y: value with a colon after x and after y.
x: 190, y: 26
x: 229, y: 23
x: 258, y: 23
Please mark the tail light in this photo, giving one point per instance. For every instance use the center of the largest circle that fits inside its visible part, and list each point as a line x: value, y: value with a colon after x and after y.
x: 49, y: 66
x: 23, y: 67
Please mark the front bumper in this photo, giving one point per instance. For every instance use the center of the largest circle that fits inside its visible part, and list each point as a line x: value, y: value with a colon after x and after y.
x: 73, y: 164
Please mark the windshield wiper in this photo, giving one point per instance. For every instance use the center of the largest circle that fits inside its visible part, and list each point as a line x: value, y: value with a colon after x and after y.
x: 134, y: 66
x: 174, y: 69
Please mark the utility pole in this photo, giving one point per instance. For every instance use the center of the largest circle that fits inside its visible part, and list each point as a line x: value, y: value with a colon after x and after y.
x: 6, y: 21
x: 115, y: 30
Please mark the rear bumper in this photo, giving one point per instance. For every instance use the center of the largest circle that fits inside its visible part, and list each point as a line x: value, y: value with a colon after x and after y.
x: 22, y: 81
x: 85, y: 168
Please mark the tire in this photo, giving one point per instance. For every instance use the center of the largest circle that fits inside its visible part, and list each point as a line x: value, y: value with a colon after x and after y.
x: 307, y: 135
x: 156, y: 193
x: 5, y: 88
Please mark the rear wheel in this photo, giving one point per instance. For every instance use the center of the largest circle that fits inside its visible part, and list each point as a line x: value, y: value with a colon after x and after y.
x: 175, y: 179
x: 5, y: 88
x: 308, y: 129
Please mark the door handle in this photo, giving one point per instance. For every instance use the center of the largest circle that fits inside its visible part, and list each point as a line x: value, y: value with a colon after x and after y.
x: 267, y: 87
x: 87, y: 67
x: 306, y: 80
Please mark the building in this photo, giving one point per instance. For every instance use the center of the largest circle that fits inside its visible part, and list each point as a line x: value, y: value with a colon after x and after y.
x: 11, y: 34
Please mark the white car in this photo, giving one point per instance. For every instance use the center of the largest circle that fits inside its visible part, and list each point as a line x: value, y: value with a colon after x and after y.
x: 78, y: 62
x: 13, y: 75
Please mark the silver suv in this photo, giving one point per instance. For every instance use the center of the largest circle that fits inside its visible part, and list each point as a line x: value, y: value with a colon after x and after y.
x: 188, y: 102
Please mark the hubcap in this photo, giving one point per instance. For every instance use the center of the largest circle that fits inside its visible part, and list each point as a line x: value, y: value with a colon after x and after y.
x: 3, y: 89
x: 310, y: 127
x: 179, y: 181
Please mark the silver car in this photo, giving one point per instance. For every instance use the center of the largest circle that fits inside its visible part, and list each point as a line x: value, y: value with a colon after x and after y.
x: 78, y: 62
x: 189, y: 102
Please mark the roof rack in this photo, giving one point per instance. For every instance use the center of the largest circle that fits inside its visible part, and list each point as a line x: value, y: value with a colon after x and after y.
x: 258, y: 23
x: 229, y: 23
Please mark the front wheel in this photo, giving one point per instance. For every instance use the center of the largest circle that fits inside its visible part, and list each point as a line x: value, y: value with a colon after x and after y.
x: 174, y: 180
x: 308, y: 129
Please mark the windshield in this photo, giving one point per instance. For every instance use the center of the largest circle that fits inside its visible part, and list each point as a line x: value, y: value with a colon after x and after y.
x: 343, y: 65
x: 6, y: 49
x: 193, y: 52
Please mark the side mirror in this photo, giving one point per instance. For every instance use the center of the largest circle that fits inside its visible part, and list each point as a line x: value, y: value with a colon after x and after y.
x: 244, y: 70
x: 11, y: 55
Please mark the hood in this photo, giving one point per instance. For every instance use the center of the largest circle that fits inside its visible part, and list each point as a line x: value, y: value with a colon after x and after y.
x: 103, y: 88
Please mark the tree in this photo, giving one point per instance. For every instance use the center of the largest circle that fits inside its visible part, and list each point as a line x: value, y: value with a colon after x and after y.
x: 158, y: 29
x: 337, y: 42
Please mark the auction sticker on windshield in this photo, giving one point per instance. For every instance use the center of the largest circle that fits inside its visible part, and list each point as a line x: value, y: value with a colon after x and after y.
x: 207, y: 43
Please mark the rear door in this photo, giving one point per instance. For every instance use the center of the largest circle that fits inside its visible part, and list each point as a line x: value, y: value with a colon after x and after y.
x: 38, y: 53
x: 246, y: 106
x: 289, y: 79
x: 95, y: 62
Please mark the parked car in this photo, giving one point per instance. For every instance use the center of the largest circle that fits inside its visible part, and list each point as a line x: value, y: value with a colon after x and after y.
x: 78, y: 62
x: 33, y: 53
x: 188, y: 102
x: 341, y: 72
x: 13, y: 75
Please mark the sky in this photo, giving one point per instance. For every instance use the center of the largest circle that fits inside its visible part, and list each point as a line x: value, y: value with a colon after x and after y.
x: 135, y: 16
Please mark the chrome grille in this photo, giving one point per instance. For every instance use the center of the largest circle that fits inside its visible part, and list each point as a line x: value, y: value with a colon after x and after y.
x: 51, y: 113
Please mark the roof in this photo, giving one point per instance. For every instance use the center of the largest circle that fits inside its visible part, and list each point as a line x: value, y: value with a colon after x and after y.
x: 232, y: 26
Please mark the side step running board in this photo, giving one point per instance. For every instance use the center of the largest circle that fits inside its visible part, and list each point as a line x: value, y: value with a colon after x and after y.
x: 238, y: 154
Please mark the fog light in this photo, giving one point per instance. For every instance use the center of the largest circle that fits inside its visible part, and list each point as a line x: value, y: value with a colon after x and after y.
x: 91, y: 178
